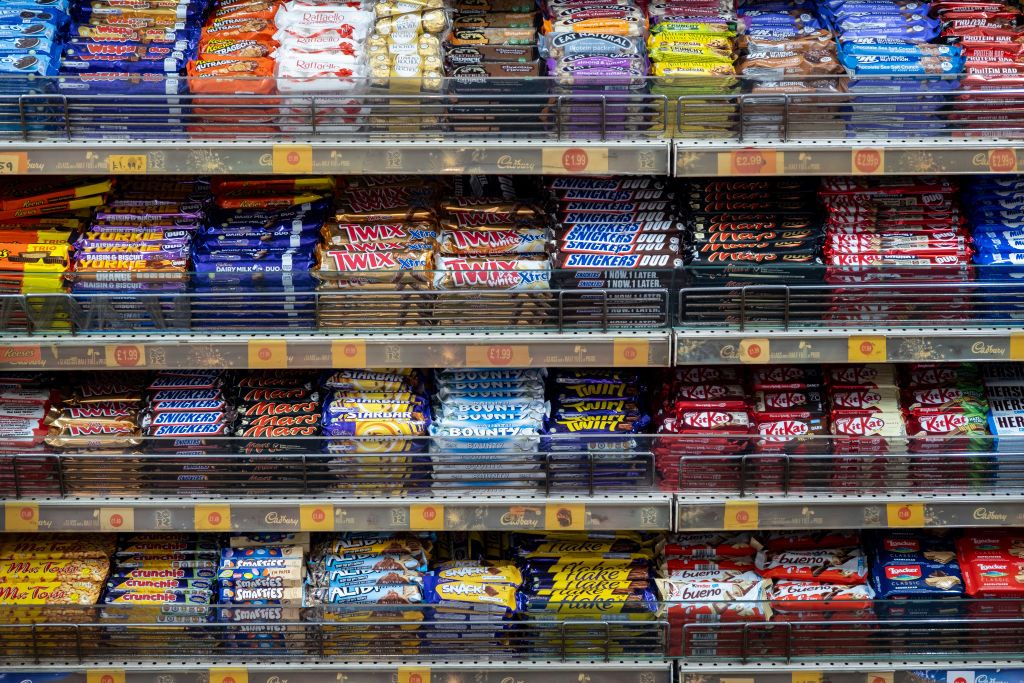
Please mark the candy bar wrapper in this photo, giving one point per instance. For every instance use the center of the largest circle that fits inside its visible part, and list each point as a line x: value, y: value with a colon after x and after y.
x: 845, y: 566
x: 51, y: 593
x: 705, y: 601
x: 804, y: 596
x: 401, y: 594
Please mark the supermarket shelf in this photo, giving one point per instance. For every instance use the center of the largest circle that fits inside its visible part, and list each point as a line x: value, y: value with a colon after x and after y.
x: 435, y: 155
x: 848, y: 511
x: 304, y: 672
x: 540, y: 348
x: 831, y: 345
x: 859, y: 155
x: 651, y: 511
x: 941, y: 671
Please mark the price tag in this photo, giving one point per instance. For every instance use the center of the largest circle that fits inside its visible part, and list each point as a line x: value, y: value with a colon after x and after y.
x: 1017, y: 346
x: 213, y: 517
x: 104, y: 676
x: 806, y: 677
x: 1002, y: 160
x: 754, y: 350
x: 117, y: 519
x: 740, y: 515
x: 229, y: 675
x: 21, y: 517
x: 498, y: 356
x: 866, y: 349
x: 575, y: 160
x: 125, y: 355
x: 867, y: 161
x: 426, y: 517
x: 630, y: 353
x: 408, y: 674
x: 884, y: 677
x: 348, y: 353
x: 316, y: 517
x: 126, y: 164
x: 905, y: 514
x: 292, y: 159
x: 565, y: 517
x: 11, y: 164
x: 747, y: 162
x: 267, y: 354
x: 21, y: 355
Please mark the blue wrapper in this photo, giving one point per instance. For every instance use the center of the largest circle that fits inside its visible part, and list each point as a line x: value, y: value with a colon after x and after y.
x: 193, y: 597
x: 35, y: 45
x: 371, y: 577
x: 40, y: 30
x: 28, y: 64
x: 917, y: 580
x: 283, y: 552
x: 262, y: 241
x: 59, y: 5
x: 900, y: 64
x: 94, y: 12
x: 405, y: 594
x: 262, y: 595
x: 887, y: 46
x: 375, y: 562
x: 83, y: 55
x: 25, y: 15
x: 614, y: 424
x: 121, y: 82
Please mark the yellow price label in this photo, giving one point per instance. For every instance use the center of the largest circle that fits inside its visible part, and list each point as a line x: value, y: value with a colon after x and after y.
x: 905, y: 514
x: 11, y: 164
x: 806, y: 677
x: 867, y: 161
x: 630, y: 353
x: 213, y: 517
x: 565, y: 517
x: 575, y: 160
x: 740, y: 515
x: 117, y: 519
x: 125, y: 355
x: 754, y: 350
x: 226, y: 675
x: 21, y: 517
x: 292, y: 159
x: 268, y: 354
x: 881, y: 677
x: 498, y: 356
x: 104, y: 676
x: 127, y: 163
x: 348, y: 353
x: 1017, y: 346
x: 866, y: 349
x: 426, y: 517
x: 21, y: 355
x: 316, y: 517
x: 413, y: 675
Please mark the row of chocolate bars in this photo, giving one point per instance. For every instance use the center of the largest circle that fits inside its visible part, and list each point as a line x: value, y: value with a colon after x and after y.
x: 264, y: 246
x: 497, y: 576
x: 517, y: 430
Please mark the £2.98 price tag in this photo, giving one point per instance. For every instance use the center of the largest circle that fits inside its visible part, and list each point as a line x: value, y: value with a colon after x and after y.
x: 289, y: 159
x: 225, y: 675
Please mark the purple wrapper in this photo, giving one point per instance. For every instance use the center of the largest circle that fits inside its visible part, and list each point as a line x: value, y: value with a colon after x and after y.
x: 121, y: 82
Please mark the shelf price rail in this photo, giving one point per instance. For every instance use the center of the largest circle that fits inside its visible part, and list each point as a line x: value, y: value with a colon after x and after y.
x: 124, y: 633
x: 300, y: 309
x: 958, y: 630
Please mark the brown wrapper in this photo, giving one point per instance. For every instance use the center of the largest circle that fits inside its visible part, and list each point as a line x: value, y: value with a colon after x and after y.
x: 409, y: 214
x: 341, y: 234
